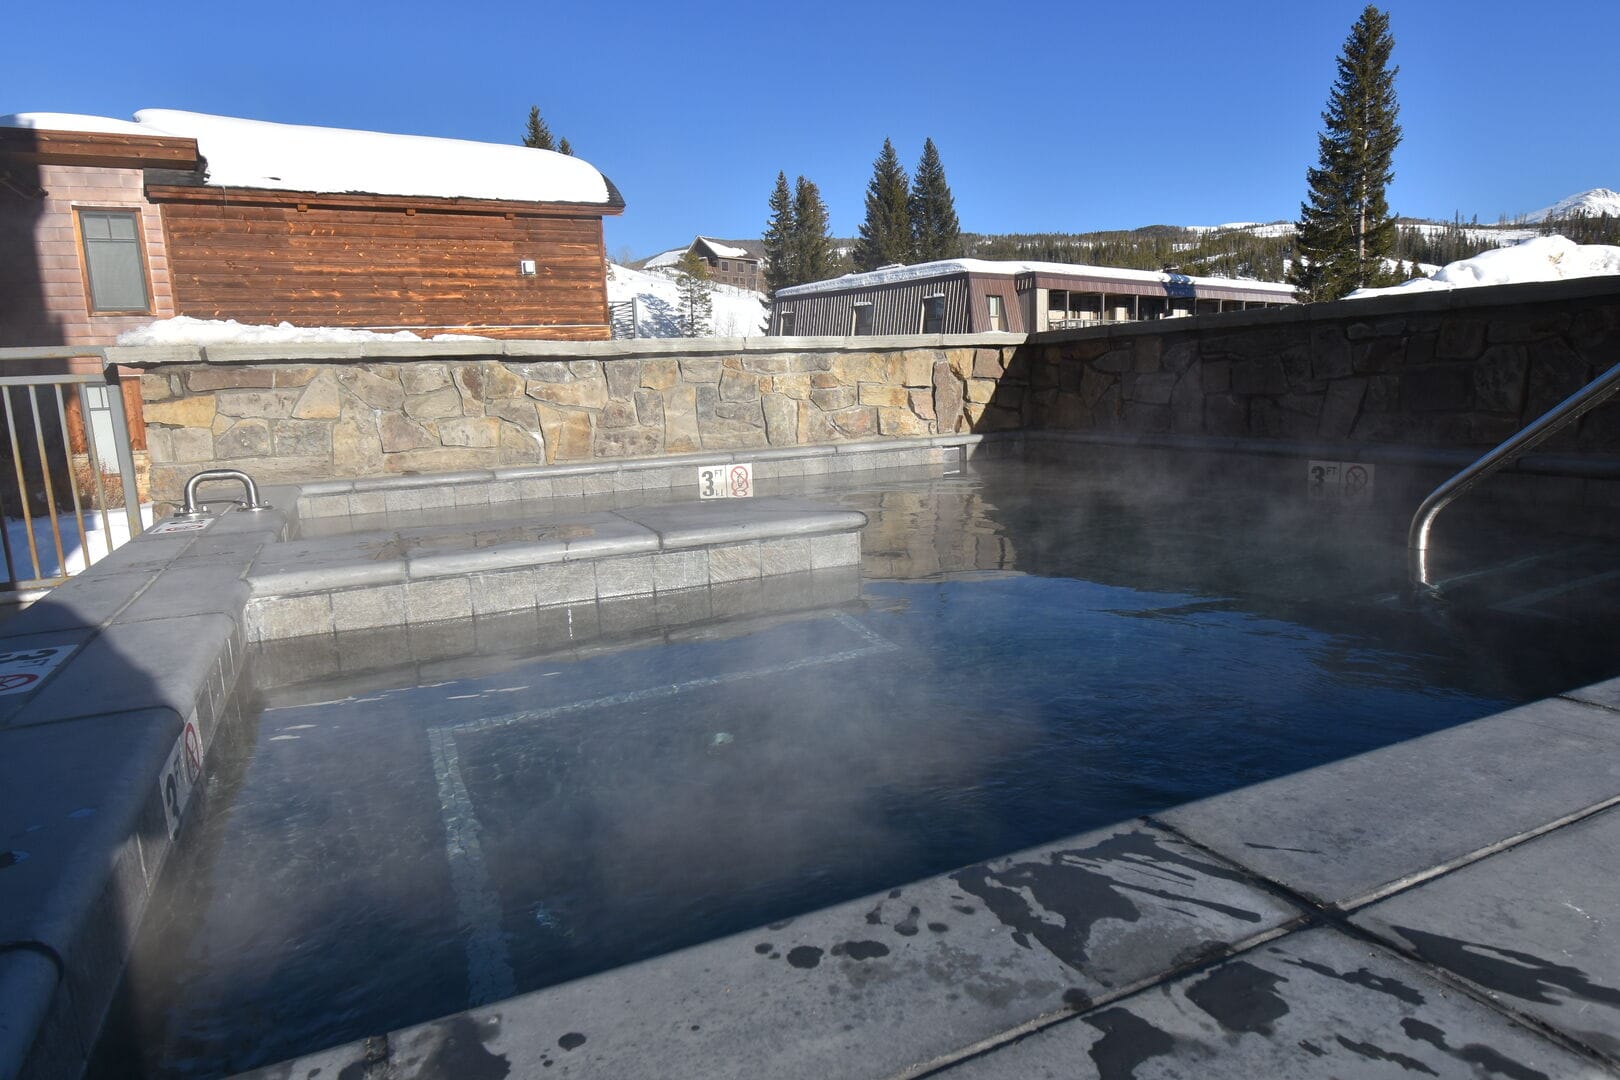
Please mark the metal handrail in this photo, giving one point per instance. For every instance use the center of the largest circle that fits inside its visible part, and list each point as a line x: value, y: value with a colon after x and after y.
x: 1531, y: 435
x: 191, y: 509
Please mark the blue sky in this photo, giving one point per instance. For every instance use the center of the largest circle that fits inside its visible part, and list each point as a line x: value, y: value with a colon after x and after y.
x: 1047, y: 116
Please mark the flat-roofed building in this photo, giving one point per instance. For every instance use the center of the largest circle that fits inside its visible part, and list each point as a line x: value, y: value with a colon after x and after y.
x: 967, y: 296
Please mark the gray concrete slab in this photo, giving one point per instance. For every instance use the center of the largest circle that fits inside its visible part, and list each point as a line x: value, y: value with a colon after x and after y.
x: 724, y: 521
x: 31, y: 646
x: 1536, y: 927
x: 28, y: 983
x: 327, y: 563
x: 159, y: 663
x: 195, y: 588
x: 878, y: 985
x: 1316, y: 1005
x: 1606, y: 693
x: 80, y: 602
x: 1345, y: 833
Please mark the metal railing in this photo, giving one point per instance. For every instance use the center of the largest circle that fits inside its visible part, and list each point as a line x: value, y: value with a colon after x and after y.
x: 50, y: 489
x: 1531, y: 435
x: 622, y: 317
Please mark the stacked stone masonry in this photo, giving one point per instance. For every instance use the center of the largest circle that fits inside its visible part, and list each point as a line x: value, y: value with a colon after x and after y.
x: 1458, y: 371
x: 299, y: 422
x: 1417, y: 374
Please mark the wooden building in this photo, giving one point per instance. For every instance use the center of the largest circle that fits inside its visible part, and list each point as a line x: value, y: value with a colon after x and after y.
x: 108, y: 225
x: 969, y: 296
x: 728, y: 263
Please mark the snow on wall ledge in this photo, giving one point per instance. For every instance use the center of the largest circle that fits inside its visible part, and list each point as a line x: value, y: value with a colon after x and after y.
x: 1545, y: 258
x: 295, y: 157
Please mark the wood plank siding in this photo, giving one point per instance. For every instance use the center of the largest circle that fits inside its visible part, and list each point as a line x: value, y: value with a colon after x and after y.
x: 274, y: 259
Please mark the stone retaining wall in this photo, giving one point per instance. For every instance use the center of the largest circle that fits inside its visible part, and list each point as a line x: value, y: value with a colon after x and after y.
x: 1460, y: 370
x: 291, y: 421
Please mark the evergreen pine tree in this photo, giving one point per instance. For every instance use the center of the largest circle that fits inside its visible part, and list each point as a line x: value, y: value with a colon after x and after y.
x: 538, y: 135
x: 564, y: 148
x: 1346, y: 229
x: 777, y: 242
x: 886, y: 232
x: 811, y: 251
x: 935, y: 232
x: 696, y: 294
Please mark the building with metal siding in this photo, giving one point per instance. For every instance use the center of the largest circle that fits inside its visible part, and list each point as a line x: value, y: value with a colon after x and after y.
x: 967, y: 296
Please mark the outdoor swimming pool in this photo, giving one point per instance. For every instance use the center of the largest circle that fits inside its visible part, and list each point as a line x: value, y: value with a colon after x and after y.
x: 1032, y: 651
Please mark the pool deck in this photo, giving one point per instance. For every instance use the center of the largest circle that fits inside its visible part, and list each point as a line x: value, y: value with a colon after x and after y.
x: 1444, y: 906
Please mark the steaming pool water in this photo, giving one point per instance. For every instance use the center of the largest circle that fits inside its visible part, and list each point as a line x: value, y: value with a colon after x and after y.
x: 1034, y: 651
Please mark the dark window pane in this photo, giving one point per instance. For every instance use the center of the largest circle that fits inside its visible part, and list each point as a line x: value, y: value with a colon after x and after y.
x: 112, y: 259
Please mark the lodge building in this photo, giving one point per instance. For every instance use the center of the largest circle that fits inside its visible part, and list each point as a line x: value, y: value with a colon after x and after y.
x: 968, y: 296
x: 107, y: 225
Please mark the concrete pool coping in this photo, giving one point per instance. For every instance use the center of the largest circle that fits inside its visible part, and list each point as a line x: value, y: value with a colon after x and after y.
x: 159, y: 629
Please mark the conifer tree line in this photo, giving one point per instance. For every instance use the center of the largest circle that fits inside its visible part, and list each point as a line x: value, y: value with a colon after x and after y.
x: 797, y: 246
x: 538, y: 135
x: 908, y: 221
x: 1346, y: 230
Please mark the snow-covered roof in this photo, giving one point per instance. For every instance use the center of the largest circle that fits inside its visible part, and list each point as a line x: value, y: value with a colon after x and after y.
x: 924, y: 271
x: 666, y: 258
x: 725, y: 251
x: 295, y: 157
x: 55, y: 121
x: 1546, y: 258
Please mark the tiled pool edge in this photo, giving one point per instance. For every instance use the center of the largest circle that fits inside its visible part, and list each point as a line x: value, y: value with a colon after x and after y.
x: 954, y: 968
x: 651, y: 552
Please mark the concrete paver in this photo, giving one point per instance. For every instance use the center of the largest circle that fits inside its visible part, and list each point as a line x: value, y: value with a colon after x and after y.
x: 878, y: 985
x: 1317, y: 1004
x: 1340, y: 833
x: 1536, y: 927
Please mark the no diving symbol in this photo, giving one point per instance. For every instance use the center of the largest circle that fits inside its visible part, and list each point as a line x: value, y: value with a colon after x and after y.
x: 193, y: 741
x: 17, y: 681
x: 742, y: 481
x: 1355, y: 480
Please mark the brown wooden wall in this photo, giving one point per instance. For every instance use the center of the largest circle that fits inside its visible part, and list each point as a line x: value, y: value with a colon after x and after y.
x: 386, y: 268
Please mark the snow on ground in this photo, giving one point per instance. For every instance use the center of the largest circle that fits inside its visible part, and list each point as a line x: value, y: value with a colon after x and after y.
x: 737, y: 312
x: 73, y: 546
x: 184, y: 330
x: 1545, y: 258
x: 1597, y: 201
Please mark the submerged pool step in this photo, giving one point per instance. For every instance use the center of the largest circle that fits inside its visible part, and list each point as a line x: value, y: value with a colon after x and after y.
x: 362, y: 581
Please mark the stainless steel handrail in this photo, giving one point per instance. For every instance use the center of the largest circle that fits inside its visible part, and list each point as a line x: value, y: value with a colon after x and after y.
x: 190, y: 509
x: 1531, y: 435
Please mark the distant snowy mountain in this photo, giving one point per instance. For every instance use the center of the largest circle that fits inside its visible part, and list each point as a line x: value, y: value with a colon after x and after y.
x: 1597, y: 201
